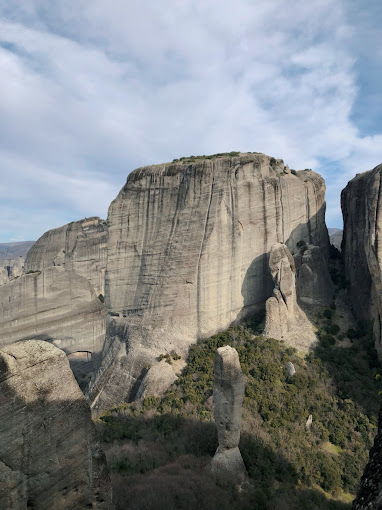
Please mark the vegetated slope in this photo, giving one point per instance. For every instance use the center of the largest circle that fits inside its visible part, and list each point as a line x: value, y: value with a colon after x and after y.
x: 159, y: 448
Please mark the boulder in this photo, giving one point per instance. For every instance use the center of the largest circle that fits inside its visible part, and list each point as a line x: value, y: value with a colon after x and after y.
x: 290, y: 369
x: 50, y: 457
x: 159, y: 377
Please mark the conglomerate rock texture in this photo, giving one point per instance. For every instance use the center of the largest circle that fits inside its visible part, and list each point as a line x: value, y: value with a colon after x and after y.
x: 188, y: 255
x: 369, y: 495
x: 361, y: 203
x: 55, y: 305
x: 284, y: 319
x: 50, y: 457
x: 80, y: 246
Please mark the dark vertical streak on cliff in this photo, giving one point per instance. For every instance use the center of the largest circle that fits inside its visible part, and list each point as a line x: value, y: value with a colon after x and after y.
x: 201, y: 251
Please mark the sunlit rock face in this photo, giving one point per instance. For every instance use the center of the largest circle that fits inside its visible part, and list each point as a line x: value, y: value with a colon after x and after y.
x: 361, y: 203
x: 54, y: 294
x: 80, y: 246
x: 188, y: 255
x: 50, y: 457
x: 55, y: 305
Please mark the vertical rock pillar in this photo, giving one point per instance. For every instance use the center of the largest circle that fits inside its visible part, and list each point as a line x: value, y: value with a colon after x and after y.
x: 229, y: 384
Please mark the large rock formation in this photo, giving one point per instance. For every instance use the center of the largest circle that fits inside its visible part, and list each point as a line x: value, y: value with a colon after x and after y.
x: 80, y: 246
x: 229, y: 385
x: 361, y: 203
x: 54, y: 296
x: 284, y: 319
x: 49, y: 454
x: 56, y: 305
x: 313, y: 283
x: 369, y: 495
x: 188, y: 255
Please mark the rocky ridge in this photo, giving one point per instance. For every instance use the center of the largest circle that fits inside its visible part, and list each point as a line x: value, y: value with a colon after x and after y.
x: 188, y: 255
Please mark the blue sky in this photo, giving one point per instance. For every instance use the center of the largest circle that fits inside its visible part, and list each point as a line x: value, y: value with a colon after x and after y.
x: 91, y: 90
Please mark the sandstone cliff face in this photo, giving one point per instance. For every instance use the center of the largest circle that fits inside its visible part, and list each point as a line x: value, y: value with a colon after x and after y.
x: 361, y: 203
x: 188, y: 255
x: 80, y: 246
x: 55, y: 305
x: 49, y: 454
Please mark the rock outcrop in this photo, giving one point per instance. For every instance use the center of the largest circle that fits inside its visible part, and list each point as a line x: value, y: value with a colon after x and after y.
x: 229, y: 385
x: 369, y: 495
x: 10, y: 269
x: 158, y: 378
x: 188, y: 255
x: 80, y: 246
x: 313, y: 283
x: 50, y: 457
x: 284, y: 319
x: 361, y: 203
x: 55, y: 305
x: 53, y: 295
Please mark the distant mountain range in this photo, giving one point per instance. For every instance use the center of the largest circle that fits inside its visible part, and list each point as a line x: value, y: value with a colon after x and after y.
x: 335, y: 235
x: 14, y: 250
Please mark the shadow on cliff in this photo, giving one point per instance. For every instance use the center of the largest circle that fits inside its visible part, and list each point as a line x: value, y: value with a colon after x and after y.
x: 258, y: 284
x: 161, y: 463
x: 51, y: 456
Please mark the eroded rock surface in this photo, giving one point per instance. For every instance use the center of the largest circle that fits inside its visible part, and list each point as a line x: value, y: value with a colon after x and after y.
x: 80, y: 246
x: 55, y: 305
x: 50, y: 457
x: 313, y: 283
x: 188, y: 255
x: 361, y: 203
x: 229, y: 385
x: 284, y: 319
x: 10, y: 269
x: 158, y: 378
x: 369, y: 495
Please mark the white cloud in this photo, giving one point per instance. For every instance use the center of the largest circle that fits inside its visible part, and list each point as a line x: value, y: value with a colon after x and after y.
x: 90, y: 90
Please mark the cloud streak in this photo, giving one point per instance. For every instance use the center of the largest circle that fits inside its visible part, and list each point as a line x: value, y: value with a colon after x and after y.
x: 89, y: 96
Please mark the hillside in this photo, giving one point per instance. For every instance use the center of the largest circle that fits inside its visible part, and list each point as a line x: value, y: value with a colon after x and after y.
x: 14, y: 250
x: 158, y: 449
